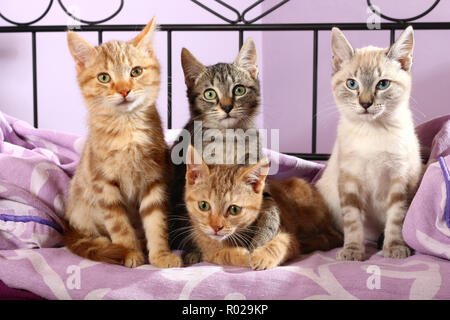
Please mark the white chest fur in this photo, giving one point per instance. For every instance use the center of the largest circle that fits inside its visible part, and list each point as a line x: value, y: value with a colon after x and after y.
x: 376, y: 155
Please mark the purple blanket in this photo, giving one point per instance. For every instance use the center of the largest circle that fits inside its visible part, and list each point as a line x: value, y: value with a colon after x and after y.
x: 427, y: 224
x: 35, y: 169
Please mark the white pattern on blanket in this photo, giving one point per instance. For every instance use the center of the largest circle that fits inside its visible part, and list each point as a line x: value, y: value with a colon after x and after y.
x: 36, y: 167
x: 50, y: 272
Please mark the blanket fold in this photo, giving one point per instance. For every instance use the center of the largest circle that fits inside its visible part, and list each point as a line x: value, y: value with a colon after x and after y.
x: 35, y: 170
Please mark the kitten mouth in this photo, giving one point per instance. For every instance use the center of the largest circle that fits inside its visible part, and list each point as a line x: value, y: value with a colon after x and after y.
x: 369, y: 116
x: 125, y: 102
x: 217, y: 237
x: 126, y: 105
x: 228, y: 120
x: 367, y: 113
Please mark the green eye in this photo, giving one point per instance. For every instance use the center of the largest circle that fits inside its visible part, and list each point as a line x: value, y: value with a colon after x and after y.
x: 383, y: 84
x: 352, y: 84
x: 210, y: 94
x: 104, y: 78
x: 239, y: 90
x: 203, y: 205
x: 136, y: 72
x: 234, y: 210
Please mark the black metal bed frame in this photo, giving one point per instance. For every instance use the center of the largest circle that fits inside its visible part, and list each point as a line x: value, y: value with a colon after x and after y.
x: 240, y: 25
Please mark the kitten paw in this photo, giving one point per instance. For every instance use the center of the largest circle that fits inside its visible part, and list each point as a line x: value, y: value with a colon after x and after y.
x: 396, y: 252
x: 166, y: 260
x: 191, y: 258
x: 350, y: 254
x: 134, y: 259
x: 262, y: 261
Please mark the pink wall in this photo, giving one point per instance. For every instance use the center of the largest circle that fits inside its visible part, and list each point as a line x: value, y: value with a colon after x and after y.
x: 285, y: 61
x: 59, y: 100
x: 287, y: 93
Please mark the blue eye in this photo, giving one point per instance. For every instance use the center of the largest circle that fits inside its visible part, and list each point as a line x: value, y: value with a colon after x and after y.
x: 352, y: 84
x: 383, y: 84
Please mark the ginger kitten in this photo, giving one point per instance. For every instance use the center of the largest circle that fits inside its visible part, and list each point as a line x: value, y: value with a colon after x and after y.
x: 375, y: 166
x: 118, y: 196
x: 224, y: 203
x: 224, y: 97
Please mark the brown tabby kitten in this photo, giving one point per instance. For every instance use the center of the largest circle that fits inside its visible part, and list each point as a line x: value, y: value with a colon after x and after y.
x: 224, y: 202
x: 118, y: 192
x: 224, y: 96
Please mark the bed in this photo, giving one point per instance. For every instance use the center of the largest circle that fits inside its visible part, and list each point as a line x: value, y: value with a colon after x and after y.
x: 36, y: 166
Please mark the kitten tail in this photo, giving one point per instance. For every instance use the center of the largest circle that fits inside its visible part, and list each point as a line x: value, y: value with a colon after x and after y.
x: 99, y: 249
x: 326, y: 240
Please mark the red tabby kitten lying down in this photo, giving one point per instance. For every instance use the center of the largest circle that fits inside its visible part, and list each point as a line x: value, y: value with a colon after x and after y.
x: 224, y: 201
x: 117, y: 196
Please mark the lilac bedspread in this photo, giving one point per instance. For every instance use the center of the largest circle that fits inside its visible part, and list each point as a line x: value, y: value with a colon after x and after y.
x: 35, y: 169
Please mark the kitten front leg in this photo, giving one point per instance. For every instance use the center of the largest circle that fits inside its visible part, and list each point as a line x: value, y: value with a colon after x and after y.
x: 394, y: 246
x: 351, y: 208
x: 192, y: 256
x: 118, y: 225
x: 154, y: 220
x: 231, y: 256
x: 267, y: 224
x: 281, y: 248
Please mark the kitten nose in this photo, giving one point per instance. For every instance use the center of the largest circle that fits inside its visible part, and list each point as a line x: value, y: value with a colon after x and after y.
x: 366, y: 104
x: 217, y: 228
x: 124, y: 92
x: 227, y: 108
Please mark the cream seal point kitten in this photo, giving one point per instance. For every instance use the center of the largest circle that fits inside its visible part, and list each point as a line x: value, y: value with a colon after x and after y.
x: 375, y: 166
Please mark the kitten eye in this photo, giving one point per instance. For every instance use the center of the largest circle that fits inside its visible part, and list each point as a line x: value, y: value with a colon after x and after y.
x: 203, y: 205
x: 352, y: 84
x: 234, y: 210
x: 104, y: 78
x: 136, y: 71
x: 239, y: 90
x: 383, y: 84
x: 210, y: 94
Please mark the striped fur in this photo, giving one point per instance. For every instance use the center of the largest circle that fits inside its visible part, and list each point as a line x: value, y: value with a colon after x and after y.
x: 117, y: 197
x: 222, y: 77
x: 375, y: 166
x: 305, y: 223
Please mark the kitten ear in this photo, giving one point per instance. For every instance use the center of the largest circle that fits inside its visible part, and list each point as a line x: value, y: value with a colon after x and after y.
x: 195, y: 166
x: 192, y: 68
x: 80, y: 49
x: 341, y: 49
x: 144, y: 40
x: 256, y: 174
x: 247, y: 59
x: 402, y: 49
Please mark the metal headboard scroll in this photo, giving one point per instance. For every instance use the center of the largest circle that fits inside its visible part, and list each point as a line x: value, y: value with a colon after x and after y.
x: 30, y: 22
x: 91, y: 22
x: 63, y: 7
x: 240, y: 17
x: 240, y: 25
x: 403, y: 20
